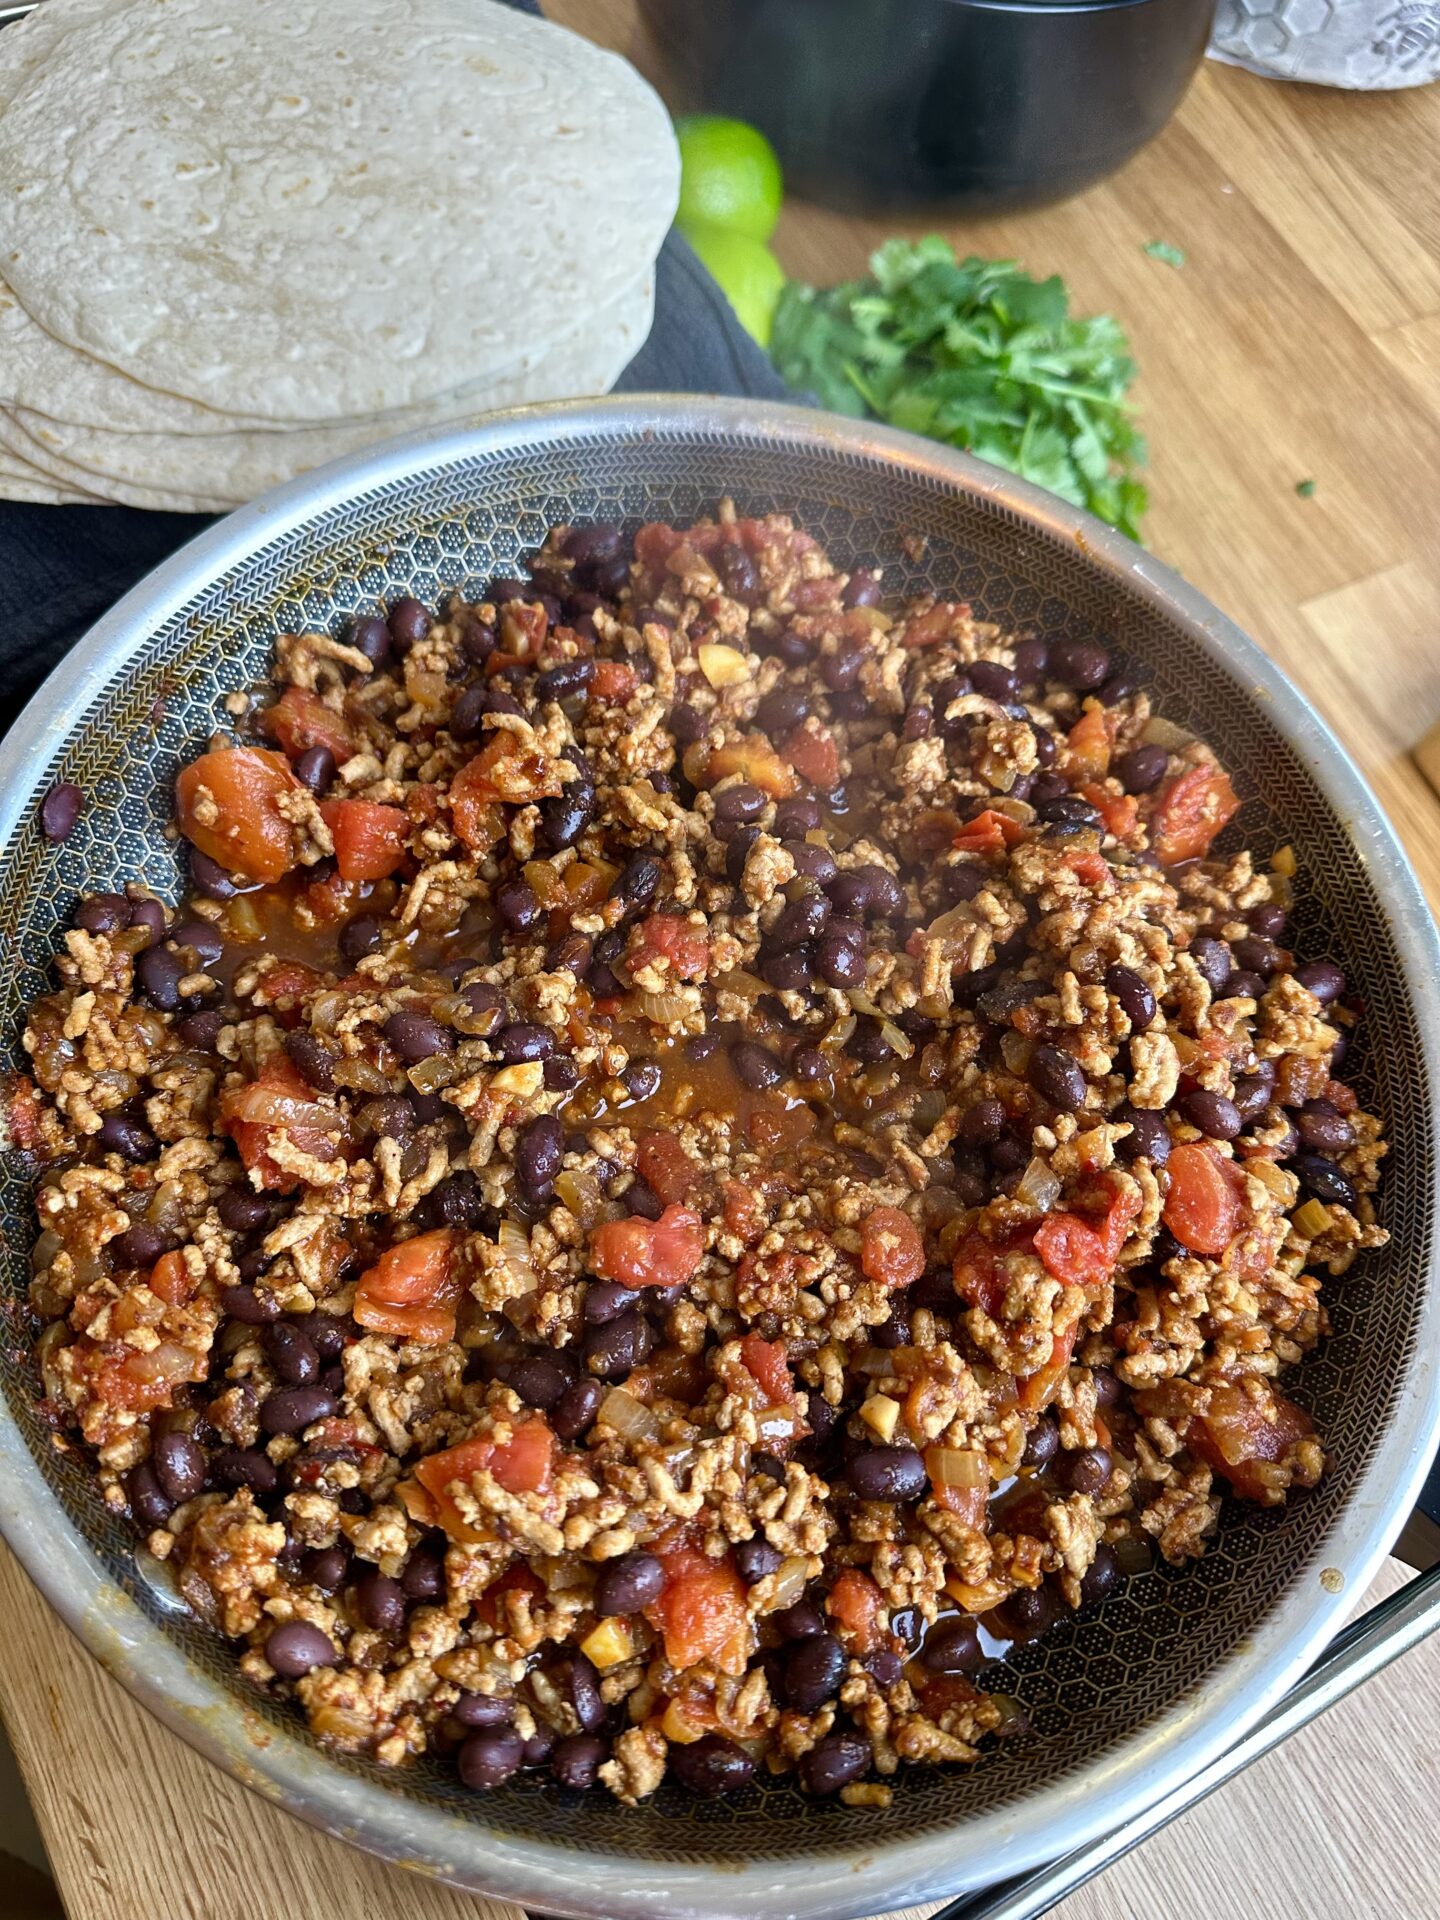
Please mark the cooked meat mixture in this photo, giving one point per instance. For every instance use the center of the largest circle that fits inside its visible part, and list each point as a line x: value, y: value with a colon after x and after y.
x: 707, y: 1149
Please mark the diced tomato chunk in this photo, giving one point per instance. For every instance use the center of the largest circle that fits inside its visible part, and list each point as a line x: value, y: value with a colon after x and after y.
x: 369, y: 839
x: 813, y: 754
x: 491, y: 1606
x: 1080, y: 1253
x: 613, y: 681
x: 666, y: 936
x: 649, y: 1253
x: 1090, y: 865
x: 300, y: 720
x: 753, y: 758
x: 1202, y: 1208
x: 981, y: 1276
x: 989, y: 832
x: 1245, y: 1428
x: 701, y: 1612
x: 280, y: 1100
x: 1118, y: 811
x: 248, y: 833
x: 523, y: 1464
x: 411, y: 1290
x: 856, y: 1603
x: 665, y: 1167
x: 891, y: 1250
x: 655, y: 542
x: 1189, y: 812
x: 928, y: 629
x: 170, y: 1279
x: 766, y: 1363
x: 505, y: 770
x: 1090, y: 740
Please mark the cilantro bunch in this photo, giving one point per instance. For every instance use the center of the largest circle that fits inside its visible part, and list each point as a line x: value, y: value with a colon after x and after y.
x: 980, y: 355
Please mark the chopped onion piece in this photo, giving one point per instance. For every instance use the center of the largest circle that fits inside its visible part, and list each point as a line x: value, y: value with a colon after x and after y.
x: 1039, y: 1186
x: 627, y: 1416
x: 777, y: 1427
x: 957, y: 1467
x: 665, y: 1009
x: 514, y: 1245
x: 428, y: 1076
x: 1016, y: 1050
x: 1313, y: 1219
x: 788, y: 1582
x: 899, y: 1043
x: 1159, y: 732
x: 1133, y: 1554
x: 837, y: 1036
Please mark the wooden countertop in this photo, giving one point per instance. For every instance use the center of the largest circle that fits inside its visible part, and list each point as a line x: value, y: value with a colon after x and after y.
x: 1300, y: 341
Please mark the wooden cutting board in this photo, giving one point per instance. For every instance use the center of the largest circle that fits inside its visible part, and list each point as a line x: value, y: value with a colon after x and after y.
x: 1301, y: 341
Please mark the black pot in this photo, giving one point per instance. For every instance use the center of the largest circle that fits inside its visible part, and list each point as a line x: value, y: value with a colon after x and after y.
x: 970, y: 103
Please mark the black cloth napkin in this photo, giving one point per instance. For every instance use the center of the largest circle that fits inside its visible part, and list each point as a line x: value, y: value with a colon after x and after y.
x: 61, y: 567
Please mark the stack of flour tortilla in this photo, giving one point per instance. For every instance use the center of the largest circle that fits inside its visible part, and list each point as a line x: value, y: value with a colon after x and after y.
x: 239, y: 238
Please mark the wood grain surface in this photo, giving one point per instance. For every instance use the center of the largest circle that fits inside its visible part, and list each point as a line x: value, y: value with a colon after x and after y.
x: 1301, y: 341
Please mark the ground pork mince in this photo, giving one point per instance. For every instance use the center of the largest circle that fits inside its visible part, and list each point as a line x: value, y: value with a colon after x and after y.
x: 707, y: 1149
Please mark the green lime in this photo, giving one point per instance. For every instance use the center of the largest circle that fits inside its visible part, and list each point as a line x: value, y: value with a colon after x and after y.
x: 729, y: 176
x: 749, y: 274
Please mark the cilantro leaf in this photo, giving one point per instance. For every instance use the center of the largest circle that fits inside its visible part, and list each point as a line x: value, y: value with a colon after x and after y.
x: 980, y: 355
x: 1164, y: 250
x: 1305, y: 489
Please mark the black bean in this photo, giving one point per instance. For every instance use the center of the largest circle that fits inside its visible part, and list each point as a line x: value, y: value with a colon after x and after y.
x: 1079, y: 664
x: 483, y: 1710
x: 1212, y: 1113
x: 840, y: 955
x: 780, y: 712
x: 315, y: 768
x: 522, y: 1041
x: 417, y: 1036
x: 314, y: 1059
x: 159, y: 974
x: 380, y: 1601
x: 809, y: 1065
x: 489, y: 1758
x: 604, y: 1299
x: 1149, y: 1137
x: 737, y: 852
x: 796, y: 817
x: 1107, y: 1387
x: 576, y: 1679
x: 1031, y: 1613
x: 326, y: 1567
x: 1032, y: 659
x: 292, y: 1354
x: 103, y: 913
x: 755, y: 1065
x: 409, y: 622
x: 575, y: 1415
x: 982, y: 1123
x: 296, y: 1647
x: 790, y: 971
x: 619, y: 1346
x: 1257, y: 955
x: 563, y: 682
x: 887, y: 1473
x: 802, y: 1620
x: 141, y: 1245
x: 639, y: 882
x: 360, y: 937
x: 150, y: 915
x: 517, y: 906
x: 592, y: 543
x: 209, y: 877
x: 634, y: 1581
x: 918, y: 724
x: 686, y: 725
x: 642, y: 1079
x: 1042, y: 1443
x: 1068, y: 810
x: 540, y: 1745
x: 739, y: 573
x: 539, y: 1154
x: 245, y: 1467
x: 867, y: 891
x: 1087, y: 1472
x: 811, y: 862
x: 1323, y: 1128
x: 1325, y: 1180
x: 868, y: 1044
x: 423, y: 1575
x: 1213, y: 959
x: 1009, y: 1153
x: 1134, y: 995
x: 832, y: 1763
x: 1142, y: 769
x: 1244, y: 985
x: 295, y: 1408
x: 370, y: 636
x: 841, y: 669
x: 1252, y: 1096
x: 1268, y: 919
x: 862, y: 589
x: 541, y: 1380
x: 1047, y: 750
x: 60, y: 811
x: 1101, y: 1577
x: 736, y: 805
x: 711, y: 1766
x: 564, y: 818
x: 149, y: 1502
x: 1058, y: 1077
x: 1322, y: 978
x: 756, y: 1559
x: 952, y: 1646
x: 812, y: 1672
x: 577, y: 1760
x: 1001, y: 1000
x: 121, y: 1133
x: 469, y: 710
x: 994, y: 681
x: 573, y: 954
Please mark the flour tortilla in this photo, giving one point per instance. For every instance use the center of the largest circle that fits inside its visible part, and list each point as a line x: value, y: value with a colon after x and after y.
x: 17, y: 446
x: 236, y: 466
x: 20, y: 481
x: 304, y: 212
